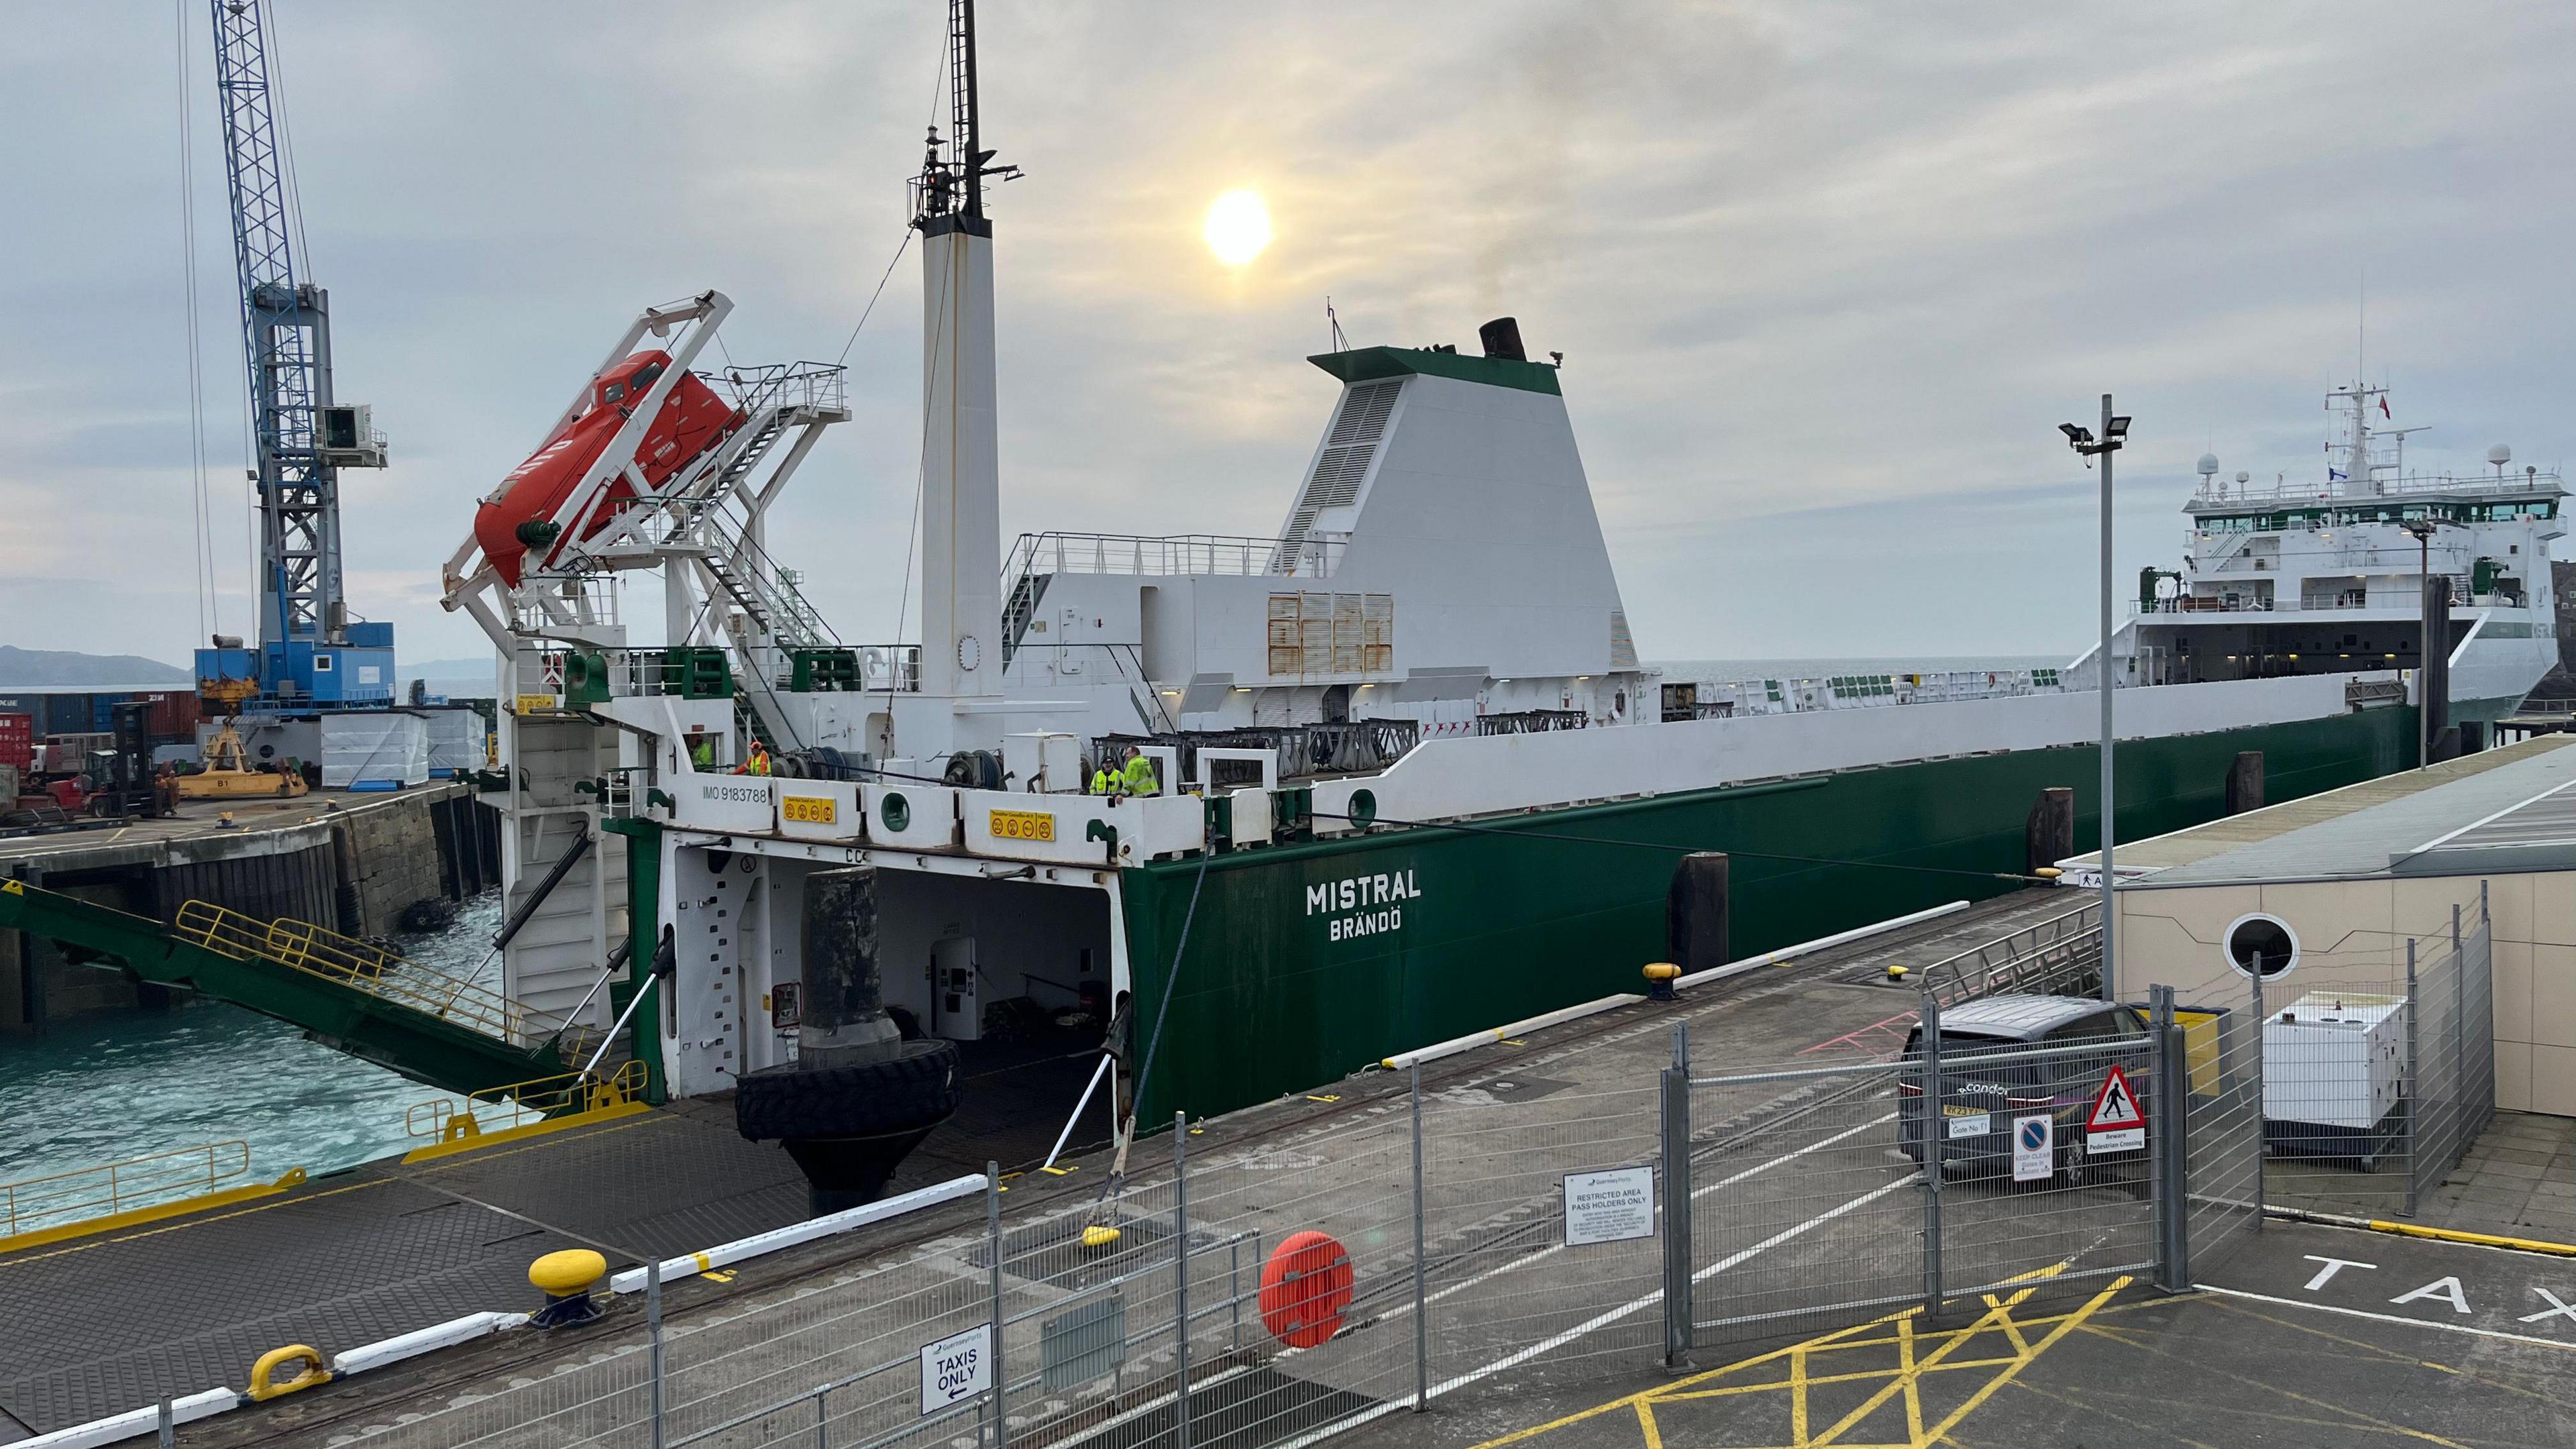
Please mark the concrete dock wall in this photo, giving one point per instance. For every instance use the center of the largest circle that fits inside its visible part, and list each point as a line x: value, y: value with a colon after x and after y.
x: 352, y: 863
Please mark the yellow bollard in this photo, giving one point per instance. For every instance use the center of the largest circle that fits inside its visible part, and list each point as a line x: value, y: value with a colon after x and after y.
x: 263, y: 1373
x: 566, y: 1278
x: 1660, y: 976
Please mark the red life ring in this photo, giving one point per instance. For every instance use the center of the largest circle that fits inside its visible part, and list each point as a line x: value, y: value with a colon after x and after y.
x: 1304, y: 1288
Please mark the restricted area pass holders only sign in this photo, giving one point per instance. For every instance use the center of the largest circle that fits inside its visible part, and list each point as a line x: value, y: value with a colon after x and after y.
x: 956, y: 1368
x: 2116, y: 1124
x: 2034, y: 1148
x: 1609, y: 1206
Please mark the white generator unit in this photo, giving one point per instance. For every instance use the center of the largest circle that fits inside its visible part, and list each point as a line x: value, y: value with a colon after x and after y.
x: 2335, y: 1060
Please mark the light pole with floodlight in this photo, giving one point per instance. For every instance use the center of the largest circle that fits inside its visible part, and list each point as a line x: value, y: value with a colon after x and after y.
x: 2423, y: 529
x: 2115, y: 430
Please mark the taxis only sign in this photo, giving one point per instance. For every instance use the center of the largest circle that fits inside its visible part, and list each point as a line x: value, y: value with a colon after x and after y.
x: 956, y: 1368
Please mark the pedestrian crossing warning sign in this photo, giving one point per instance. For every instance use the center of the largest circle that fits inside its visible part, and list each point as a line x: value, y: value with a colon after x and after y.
x: 2116, y: 1124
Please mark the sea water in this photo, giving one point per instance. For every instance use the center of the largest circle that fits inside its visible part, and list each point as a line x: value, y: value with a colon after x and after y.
x: 110, y: 1088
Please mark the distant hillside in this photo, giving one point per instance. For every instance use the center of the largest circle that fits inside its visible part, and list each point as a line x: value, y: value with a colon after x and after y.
x: 30, y: 668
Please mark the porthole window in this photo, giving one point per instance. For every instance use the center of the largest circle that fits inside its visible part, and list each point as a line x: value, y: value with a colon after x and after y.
x: 2259, y: 942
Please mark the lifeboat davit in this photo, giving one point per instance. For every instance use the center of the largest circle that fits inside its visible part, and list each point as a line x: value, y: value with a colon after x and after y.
x: 513, y: 522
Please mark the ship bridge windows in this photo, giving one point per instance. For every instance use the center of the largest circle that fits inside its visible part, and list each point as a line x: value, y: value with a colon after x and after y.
x: 2355, y: 515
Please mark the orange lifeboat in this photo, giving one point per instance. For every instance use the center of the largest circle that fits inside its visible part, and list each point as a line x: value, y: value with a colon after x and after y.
x: 520, y: 517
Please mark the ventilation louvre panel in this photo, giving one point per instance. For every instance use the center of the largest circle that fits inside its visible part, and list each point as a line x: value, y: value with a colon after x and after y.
x: 1348, y: 450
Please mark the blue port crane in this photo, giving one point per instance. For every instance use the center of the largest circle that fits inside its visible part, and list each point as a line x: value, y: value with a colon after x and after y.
x: 307, y: 655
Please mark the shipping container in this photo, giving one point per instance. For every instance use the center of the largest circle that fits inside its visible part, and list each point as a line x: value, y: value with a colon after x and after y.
x: 174, y: 713
x: 65, y: 714
x: 18, y: 742
x: 102, y: 711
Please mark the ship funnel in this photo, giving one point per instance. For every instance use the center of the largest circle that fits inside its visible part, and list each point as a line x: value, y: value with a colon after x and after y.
x: 1502, y: 338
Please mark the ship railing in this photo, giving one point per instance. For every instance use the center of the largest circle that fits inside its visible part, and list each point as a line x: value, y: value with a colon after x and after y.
x: 520, y: 1104
x: 383, y: 974
x: 32, y: 1204
x: 2533, y: 481
x: 1730, y: 697
x: 2060, y: 956
x: 2341, y: 600
x: 564, y: 604
x: 792, y: 386
x: 1179, y: 554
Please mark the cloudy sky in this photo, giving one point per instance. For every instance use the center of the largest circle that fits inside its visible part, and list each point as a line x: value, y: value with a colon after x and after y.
x: 1825, y: 275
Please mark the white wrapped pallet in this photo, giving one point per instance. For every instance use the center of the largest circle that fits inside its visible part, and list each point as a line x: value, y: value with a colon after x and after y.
x: 374, y: 750
x: 456, y: 739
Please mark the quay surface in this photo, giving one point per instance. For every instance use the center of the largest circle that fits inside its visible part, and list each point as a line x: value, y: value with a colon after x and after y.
x: 392, y: 1247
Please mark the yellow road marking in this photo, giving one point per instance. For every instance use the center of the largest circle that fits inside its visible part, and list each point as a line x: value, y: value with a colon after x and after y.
x: 1906, y: 1366
x: 1904, y: 1333
x: 2065, y: 1326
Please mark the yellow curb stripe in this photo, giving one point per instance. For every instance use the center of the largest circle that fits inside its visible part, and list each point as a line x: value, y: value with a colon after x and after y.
x: 2483, y: 1240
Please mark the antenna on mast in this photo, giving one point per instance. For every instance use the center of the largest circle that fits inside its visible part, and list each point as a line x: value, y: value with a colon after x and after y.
x: 1340, y: 342
x: 955, y: 186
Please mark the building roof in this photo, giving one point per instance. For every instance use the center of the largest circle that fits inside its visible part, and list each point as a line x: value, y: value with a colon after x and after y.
x: 1367, y: 364
x: 2510, y: 809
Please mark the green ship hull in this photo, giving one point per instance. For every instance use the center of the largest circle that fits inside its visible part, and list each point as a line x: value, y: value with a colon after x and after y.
x: 1305, y: 962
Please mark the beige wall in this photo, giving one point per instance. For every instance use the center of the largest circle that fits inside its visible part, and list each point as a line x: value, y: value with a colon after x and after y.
x: 2353, y: 934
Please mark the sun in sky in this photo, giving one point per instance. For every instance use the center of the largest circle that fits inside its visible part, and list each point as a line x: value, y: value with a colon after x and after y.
x: 1238, y: 227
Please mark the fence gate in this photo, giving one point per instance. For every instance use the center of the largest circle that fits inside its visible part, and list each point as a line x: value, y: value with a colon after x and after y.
x: 1824, y: 1196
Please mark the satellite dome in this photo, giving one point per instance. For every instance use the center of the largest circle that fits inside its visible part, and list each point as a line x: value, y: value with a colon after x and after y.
x: 2500, y: 455
x: 2244, y: 477
x: 2208, y: 465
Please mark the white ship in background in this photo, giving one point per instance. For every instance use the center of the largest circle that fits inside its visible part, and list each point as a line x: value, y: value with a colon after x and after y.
x: 2329, y: 576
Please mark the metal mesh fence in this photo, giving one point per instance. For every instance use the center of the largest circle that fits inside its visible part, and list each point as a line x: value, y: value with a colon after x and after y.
x: 2221, y: 1097
x: 1823, y: 1194
x: 1468, y: 1241
x: 2375, y: 1085
x: 1510, y: 1299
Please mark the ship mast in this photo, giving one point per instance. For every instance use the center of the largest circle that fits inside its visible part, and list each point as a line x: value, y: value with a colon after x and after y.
x: 961, y: 612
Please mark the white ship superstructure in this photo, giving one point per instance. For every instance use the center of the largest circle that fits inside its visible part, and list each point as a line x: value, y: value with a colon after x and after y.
x: 2329, y: 576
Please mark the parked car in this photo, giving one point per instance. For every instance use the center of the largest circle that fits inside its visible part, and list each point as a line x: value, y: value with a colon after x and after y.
x: 1980, y: 1099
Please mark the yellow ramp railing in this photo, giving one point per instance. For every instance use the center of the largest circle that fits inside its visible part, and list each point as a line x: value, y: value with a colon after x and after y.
x: 498, y: 1109
x: 381, y: 973
x: 35, y: 1203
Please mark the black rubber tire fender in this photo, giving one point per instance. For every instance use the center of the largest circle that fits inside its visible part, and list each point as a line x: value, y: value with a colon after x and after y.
x: 916, y: 1087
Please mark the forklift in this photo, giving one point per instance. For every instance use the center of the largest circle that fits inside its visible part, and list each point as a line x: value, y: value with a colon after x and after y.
x: 123, y: 783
